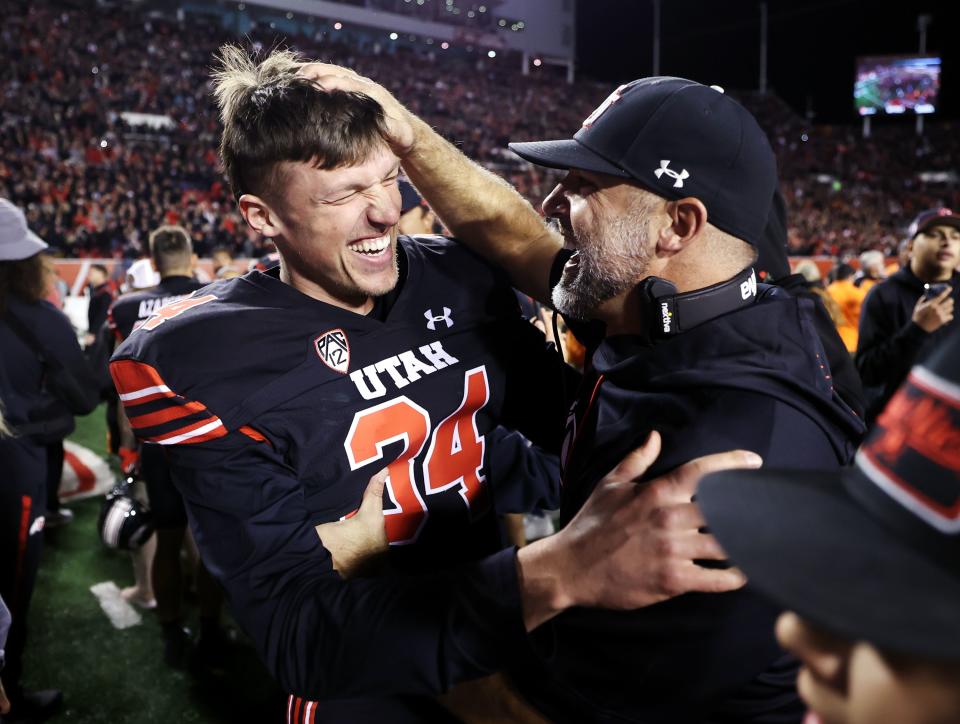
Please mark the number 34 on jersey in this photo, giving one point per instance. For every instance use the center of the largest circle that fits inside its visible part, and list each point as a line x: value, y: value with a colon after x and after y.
x: 453, y: 458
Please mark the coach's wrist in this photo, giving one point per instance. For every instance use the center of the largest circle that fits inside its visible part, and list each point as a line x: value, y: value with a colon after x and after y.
x: 545, y: 586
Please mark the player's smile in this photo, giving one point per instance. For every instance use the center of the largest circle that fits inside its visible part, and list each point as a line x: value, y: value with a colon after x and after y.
x: 372, y: 247
x: 372, y: 257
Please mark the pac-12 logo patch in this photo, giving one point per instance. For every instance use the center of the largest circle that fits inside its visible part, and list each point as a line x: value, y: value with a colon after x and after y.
x: 334, y: 350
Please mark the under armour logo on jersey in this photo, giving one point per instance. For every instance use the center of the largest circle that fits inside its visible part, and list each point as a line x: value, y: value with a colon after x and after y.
x: 334, y: 350
x: 677, y: 177
x: 432, y: 319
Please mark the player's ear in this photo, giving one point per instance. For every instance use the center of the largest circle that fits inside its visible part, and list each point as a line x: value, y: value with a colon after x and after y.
x: 688, y: 218
x: 259, y: 215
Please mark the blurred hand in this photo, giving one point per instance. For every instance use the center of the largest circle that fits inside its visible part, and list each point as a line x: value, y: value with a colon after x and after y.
x: 931, y: 314
x: 357, y: 543
x: 398, y: 118
x: 632, y: 544
x: 129, y: 461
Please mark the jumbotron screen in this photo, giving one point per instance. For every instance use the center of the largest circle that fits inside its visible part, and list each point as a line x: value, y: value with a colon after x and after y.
x: 897, y: 84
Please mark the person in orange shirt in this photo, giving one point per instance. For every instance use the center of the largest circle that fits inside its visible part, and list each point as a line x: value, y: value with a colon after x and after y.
x: 849, y: 298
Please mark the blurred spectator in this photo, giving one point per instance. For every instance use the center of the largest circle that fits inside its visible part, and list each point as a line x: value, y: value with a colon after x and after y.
x: 849, y: 298
x: 44, y: 381
x: 814, y: 282
x: 903, y: 258
x: 908, y: 315
x: 222, y: 262
x: 101, y: 291
x: 872, y: 270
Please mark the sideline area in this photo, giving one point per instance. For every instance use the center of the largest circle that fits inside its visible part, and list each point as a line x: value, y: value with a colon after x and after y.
x: 118, y: 676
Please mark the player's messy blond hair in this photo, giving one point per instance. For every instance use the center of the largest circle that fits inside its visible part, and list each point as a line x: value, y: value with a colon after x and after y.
x: 238, y: 75
x: 271, y: 114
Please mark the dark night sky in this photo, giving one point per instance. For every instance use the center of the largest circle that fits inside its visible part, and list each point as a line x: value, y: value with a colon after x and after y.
x: 812, y: 45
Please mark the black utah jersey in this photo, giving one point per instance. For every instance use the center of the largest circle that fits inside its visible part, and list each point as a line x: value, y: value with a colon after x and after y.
x: 276, y: 409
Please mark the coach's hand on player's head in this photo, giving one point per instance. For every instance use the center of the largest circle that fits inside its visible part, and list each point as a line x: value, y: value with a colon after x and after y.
x: 399, y: 119
x: 632, y: 544
x: 358, y: 543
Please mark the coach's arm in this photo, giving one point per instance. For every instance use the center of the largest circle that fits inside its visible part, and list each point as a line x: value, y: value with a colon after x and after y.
x: 480, y: 209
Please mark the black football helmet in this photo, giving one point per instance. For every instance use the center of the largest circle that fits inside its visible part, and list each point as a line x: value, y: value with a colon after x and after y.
x: 124, y: 521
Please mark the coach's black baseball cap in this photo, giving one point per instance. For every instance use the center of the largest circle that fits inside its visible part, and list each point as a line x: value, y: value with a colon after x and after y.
x: 872, y: 552
x: 677, y: 138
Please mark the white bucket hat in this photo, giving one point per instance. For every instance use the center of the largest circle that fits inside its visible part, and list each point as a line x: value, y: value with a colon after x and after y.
x: 16, y: 240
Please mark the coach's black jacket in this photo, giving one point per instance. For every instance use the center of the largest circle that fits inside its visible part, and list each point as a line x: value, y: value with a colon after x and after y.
x: 755, y: 379
x: 890, y: 343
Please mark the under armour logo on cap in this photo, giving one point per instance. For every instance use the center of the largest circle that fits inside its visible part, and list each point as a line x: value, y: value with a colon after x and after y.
x: 677, y: 177
x: 432, y: 319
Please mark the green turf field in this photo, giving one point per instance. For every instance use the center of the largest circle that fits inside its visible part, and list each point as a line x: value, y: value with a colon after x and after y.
x: 112, y: 676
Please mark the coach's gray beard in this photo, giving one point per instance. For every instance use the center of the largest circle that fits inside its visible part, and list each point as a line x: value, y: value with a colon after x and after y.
x: 611, y: 261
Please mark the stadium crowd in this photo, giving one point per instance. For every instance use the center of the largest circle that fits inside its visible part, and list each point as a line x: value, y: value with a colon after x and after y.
x: 94, y: 186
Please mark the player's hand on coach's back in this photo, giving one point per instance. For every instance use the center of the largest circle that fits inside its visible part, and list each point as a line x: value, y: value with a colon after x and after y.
x: 359, y: 542
x: 632, y: 544
x: 400, y: 122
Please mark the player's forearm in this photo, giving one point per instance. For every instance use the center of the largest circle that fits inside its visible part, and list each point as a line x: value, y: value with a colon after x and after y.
x: 483, y: 211
x: 128, y: 438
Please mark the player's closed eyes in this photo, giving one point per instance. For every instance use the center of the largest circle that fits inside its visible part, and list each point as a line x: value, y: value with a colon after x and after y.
x: 387, y: 182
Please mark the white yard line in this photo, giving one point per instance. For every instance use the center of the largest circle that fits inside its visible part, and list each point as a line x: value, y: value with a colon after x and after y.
x: 119, y: 611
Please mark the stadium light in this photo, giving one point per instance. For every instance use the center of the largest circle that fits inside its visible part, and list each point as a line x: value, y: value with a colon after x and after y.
x: 491, y: 53
x: 289, y: 16
x: 337, y: 26
x: 444, y: 45
x: 393, y: 36
x: 537, y: 62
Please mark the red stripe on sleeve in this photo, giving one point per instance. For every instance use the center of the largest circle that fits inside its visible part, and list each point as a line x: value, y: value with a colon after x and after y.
x: 131, y: 377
